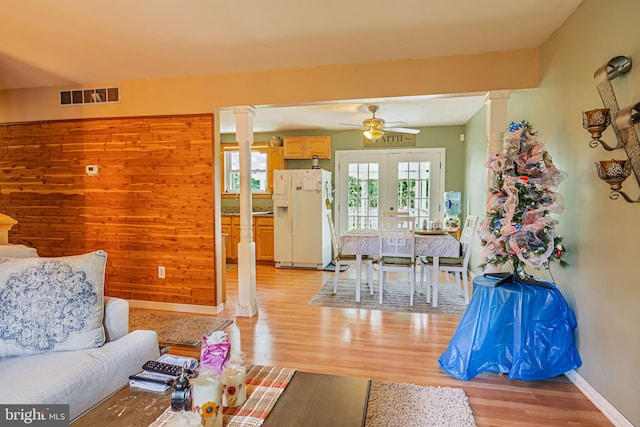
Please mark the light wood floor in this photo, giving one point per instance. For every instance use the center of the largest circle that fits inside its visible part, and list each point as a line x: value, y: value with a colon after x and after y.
x: 383, y: 345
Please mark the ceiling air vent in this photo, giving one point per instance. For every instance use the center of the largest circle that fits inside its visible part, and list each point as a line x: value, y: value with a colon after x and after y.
x: 90, y: 96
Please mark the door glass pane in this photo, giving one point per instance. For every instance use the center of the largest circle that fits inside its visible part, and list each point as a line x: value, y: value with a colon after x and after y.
x: 362, y: 197
x: 413, y: 189
x: 370, y: 182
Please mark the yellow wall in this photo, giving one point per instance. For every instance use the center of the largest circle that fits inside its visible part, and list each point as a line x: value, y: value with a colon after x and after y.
x: 184, y: 95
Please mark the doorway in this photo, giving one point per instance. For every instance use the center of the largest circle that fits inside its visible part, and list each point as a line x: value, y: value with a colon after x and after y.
x: 371, y: 182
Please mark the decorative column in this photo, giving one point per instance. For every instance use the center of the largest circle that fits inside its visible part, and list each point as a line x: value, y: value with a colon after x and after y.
x: 496, y: 102
x: 6, y: 222
x: 247, y: 302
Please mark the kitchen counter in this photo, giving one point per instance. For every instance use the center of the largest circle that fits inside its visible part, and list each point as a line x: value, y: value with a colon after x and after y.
x: 252, y: 213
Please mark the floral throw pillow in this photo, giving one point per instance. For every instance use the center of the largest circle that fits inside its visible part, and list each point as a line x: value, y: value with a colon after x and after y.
x: 51, y: 304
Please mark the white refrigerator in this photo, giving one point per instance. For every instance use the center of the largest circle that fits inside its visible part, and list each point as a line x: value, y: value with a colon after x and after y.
x: 301, y: 200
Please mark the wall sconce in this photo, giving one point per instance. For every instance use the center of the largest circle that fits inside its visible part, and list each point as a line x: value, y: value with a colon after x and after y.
x: 614, y: 172
x: 596, y: 121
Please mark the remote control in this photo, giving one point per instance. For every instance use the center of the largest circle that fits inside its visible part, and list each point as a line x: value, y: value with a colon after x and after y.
x: 164, y: 368
x: 142, y: 376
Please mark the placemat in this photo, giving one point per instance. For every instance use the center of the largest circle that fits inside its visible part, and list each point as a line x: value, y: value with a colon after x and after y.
x: 265, y: 384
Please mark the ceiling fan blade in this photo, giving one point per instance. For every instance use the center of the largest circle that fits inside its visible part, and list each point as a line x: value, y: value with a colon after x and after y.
x: 351, y: 124
x: 401, y: 130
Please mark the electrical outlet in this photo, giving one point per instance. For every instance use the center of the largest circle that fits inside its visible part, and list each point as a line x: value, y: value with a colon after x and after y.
x: 161, y: 272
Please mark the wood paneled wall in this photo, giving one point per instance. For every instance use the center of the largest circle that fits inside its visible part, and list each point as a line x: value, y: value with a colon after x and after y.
x: 151, y: 204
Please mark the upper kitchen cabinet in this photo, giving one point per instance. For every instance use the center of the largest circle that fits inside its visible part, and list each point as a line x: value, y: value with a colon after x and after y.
x: 305, y: 147
x: 276, y: 162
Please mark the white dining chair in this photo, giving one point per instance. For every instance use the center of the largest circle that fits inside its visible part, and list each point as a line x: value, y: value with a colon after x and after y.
x: 394, y: 213
x: 397, y: 249
x: 340, y: 259
x: 458, y: 266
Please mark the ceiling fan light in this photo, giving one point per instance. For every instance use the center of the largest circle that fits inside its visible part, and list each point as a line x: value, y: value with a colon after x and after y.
x: 373, y: 134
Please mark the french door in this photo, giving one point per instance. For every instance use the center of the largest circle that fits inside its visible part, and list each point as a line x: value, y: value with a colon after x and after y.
x: 372, y: 182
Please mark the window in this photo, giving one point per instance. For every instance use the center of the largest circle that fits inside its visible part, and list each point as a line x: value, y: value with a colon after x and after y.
x: 261, y: 168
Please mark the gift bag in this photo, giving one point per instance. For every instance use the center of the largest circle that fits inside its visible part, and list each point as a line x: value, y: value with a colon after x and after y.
x: 215, y: 351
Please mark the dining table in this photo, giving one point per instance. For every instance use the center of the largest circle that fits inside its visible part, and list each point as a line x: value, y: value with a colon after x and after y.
x: 434, y: 244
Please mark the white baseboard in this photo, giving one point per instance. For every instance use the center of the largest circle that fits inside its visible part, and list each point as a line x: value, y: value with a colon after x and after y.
x: 169, y: 306
x: 592, y: 394
x: 597, y: 399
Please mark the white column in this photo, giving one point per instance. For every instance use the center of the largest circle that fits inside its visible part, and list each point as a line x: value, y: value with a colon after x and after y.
x: 247, y: 302
x: 496, y: 102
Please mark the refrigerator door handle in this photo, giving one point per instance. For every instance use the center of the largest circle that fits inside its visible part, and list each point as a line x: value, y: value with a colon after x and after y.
x: 294, y: 200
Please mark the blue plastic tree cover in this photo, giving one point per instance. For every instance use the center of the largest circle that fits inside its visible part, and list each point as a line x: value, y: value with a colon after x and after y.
x: 523, y: 330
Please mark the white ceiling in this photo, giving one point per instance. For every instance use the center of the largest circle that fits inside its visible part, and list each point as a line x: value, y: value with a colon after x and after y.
x: 416, y: 111
x: 71, y: 42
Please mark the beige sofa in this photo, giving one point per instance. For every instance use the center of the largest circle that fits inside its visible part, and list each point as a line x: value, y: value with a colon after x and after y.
x: 65, y: 369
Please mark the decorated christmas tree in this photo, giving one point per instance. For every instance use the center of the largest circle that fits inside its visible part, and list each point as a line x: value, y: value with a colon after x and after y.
x: 518, y: 228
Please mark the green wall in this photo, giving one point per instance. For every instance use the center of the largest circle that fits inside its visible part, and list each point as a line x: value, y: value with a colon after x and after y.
x: 601, y: 234
x: 476, y: 183
x: 430, y: 137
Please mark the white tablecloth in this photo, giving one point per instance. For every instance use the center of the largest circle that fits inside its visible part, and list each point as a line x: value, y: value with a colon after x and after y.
x: 368, y: 242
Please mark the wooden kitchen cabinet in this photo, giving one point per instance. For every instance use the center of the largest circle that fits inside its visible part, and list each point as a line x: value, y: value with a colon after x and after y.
x: 230, y: 249
x: 276, y: 162
x: 263, y: 237
x: 305, y: 147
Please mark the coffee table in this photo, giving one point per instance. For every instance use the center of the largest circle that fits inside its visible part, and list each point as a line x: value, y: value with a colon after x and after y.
x: 309, y: 399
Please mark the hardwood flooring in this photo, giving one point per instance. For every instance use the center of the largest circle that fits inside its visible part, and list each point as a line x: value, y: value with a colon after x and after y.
x: 382, y: 345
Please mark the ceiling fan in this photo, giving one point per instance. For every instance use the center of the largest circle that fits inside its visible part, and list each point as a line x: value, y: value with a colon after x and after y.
x: 374, y: 127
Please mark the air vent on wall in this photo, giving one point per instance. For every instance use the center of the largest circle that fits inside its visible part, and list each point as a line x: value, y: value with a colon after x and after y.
x: 90, y: 96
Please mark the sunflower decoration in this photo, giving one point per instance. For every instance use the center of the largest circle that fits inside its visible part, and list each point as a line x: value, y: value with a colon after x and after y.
x: 209, y: 413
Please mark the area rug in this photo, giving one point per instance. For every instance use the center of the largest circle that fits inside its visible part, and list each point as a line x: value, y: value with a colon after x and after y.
x: 410, y: 405
x: 395, y: 297
x: 332, y: 267
x: 176, y: 329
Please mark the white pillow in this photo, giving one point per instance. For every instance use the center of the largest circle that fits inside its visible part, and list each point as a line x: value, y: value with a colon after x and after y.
x: 18, y: 251
x: 51, y: 304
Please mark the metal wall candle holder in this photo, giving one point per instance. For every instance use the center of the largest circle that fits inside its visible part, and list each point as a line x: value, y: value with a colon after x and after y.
x: 596, y: 121
x: 614, y: 172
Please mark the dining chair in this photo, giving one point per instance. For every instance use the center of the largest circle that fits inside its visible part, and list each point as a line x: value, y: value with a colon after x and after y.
x: 339, y: 259
x: 395, y: 213
x: 458, y: 266
x: 397, y: 249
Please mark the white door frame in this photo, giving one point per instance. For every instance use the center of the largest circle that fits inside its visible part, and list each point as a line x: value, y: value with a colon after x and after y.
x: 343, y: 156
